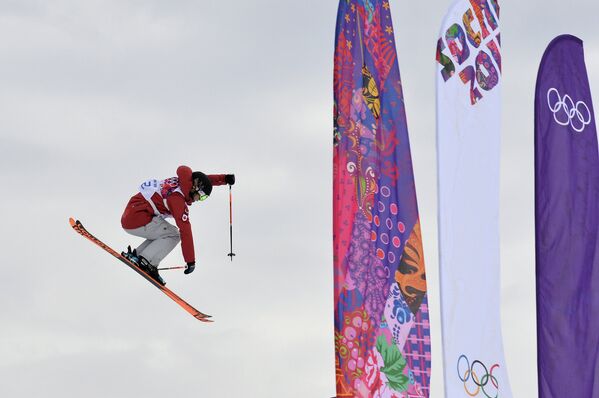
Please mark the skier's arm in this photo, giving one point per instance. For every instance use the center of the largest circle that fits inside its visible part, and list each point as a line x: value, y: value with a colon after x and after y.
x: 180, y: 212
x: 221, y: 179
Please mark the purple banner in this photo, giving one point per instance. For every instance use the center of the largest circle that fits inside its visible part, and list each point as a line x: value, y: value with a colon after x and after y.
x: 567, y: 220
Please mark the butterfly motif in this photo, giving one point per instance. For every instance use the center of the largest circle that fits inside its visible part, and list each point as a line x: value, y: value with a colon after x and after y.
x: 370, y: 92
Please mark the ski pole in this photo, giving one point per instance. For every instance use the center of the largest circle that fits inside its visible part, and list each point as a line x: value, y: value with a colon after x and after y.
x: 231, y: 254
x: 181, y: 267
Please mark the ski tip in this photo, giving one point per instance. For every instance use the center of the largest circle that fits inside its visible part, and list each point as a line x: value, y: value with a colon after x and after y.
x: 72, y: 221
x: 203, y: 317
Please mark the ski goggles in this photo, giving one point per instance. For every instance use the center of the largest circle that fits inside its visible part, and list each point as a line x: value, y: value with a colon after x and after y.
x: 200, y: 193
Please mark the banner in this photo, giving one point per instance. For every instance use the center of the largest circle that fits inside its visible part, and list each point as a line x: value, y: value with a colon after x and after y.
x: 382, y: 335
x: 567, y: 218
x: 468, y: 147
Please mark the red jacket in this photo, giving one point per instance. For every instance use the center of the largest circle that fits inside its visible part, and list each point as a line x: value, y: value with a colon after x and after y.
x: 166, y: 198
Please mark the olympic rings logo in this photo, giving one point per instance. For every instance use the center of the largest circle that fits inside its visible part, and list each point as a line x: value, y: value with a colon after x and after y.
x: 566, y: 112
x: 469, y: 374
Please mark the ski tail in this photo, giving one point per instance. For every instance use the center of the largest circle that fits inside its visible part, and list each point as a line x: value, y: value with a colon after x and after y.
x: 80, y: 229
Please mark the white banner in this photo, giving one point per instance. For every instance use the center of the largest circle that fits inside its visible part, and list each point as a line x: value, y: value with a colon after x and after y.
x: 468, y: 146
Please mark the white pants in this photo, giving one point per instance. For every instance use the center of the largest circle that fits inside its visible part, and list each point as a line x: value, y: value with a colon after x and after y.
x: 161, y: 238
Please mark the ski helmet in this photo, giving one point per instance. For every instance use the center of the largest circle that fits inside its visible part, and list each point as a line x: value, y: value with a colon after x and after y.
x: 203, y: 186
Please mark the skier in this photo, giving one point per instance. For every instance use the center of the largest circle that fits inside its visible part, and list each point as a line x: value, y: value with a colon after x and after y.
x: 146, y: 211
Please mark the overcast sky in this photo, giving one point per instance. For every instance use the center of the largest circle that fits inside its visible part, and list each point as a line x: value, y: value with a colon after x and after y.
x: 97, y: 96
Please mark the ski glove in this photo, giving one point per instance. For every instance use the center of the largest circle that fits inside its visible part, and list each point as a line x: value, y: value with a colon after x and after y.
x: 230, y: 179
x: 190, y: 268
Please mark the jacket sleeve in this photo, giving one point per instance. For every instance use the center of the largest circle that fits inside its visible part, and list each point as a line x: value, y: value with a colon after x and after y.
x: 217, y: 179
x: 180, y: 212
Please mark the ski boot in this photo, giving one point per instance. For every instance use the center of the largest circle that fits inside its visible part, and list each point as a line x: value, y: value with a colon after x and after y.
x: 131, y: 255
x: 151, y: 270
x: 144, y: 264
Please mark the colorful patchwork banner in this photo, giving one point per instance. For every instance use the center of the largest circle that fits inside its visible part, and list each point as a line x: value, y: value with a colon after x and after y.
x: 567, y: 221
x: 382, y: 334
x: 468, y: 147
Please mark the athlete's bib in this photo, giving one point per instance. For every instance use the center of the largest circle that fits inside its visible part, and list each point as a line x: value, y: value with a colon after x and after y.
x: 163, y: 188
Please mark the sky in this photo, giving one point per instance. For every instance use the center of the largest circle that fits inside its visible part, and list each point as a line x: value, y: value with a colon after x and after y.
x: 97, y: 96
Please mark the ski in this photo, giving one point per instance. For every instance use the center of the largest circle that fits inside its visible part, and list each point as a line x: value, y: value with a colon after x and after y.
x: 80, y: 229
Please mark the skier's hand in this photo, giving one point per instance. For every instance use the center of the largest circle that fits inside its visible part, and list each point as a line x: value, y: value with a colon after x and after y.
x: 230, y: 179
x: 190, y: 268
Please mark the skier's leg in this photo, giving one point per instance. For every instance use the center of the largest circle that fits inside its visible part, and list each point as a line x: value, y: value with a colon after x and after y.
x: 150, y: 231
x: 147, y: 231
x: 143, y: 245
x: 161, y: 239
